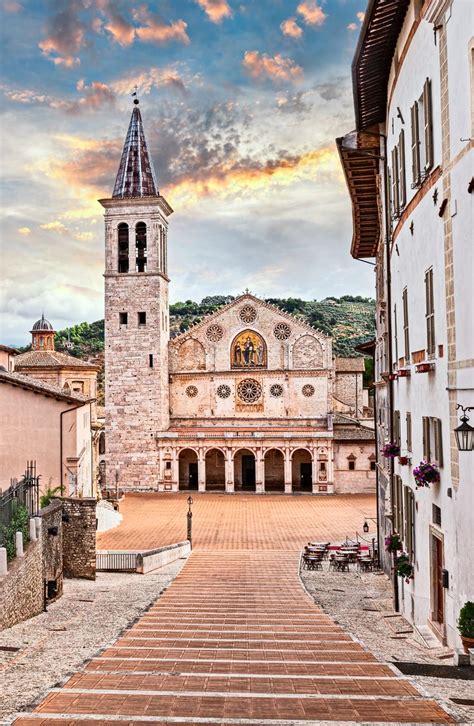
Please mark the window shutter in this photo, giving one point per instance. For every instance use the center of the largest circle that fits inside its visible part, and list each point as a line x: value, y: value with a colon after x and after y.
x: 428, y: 112
x: 395, y: 189
x: 438, y: 441
x: 401, y: 168
x: 415, y: 144
x: 408, y: 425
x: 426, y: 438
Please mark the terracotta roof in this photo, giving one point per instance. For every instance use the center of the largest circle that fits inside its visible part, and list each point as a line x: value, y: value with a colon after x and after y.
x: 136, y: 176
x: 33, y: 384
x: 51, y: 359
x: 352, y: 365
x: 7, y: 349
x: 355, y: 433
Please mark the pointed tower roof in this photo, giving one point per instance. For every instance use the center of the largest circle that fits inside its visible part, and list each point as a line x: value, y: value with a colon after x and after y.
x: 136, y: 176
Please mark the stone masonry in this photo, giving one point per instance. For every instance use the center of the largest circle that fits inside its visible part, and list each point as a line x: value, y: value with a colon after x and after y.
x: 79, y: 531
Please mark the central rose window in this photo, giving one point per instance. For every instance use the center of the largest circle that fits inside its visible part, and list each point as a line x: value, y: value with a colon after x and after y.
x: 249, y: 390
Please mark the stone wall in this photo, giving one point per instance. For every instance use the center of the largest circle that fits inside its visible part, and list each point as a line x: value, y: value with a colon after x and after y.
x: 362, y: 479
x: 79, y: 532
x: 21, y: 590
x: 52, y: 545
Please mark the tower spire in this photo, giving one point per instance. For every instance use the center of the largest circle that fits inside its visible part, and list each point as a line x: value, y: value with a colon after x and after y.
x: 135, y: 176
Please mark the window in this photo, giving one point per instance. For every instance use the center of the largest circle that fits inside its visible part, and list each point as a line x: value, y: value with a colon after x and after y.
x: 396, y: 427
x: 141, y: 318
x: 352, y: 465
x: 168, y: 465
x: 123, y: 263
x: 432, y: 440
x: 373, y: 465
x: 402, y: 184
x: 150, y: 360
x: 351, y: 462
x: 429, y: 315
x: 395, y: 184
x: 406, y: 331
x: 436, y: 514
x: 395, y: 335
x: 422, y: 135
x: 140, y: 246
x: 397, y: 505
x: 409, y: 524
x: 123, y: 318
x: 409, y: 433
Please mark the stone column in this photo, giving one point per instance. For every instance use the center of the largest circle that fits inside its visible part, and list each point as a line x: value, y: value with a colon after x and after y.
x: 314, y: 471
x: 229, y: 472
x: 288, y: 472
x: 330, y: 468
x: 201, y: 472
x: 259, y: 473
x: 19, y: 544
x: 3, y: 562
x: 175, y: 470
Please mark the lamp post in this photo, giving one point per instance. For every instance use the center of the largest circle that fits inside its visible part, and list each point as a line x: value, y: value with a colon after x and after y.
x: 190, y: 522
x: 464, y: 433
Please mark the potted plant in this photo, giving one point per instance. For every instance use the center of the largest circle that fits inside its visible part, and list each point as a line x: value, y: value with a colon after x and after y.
x: 466, y: 625
x: 403, y: 567
x: 426, y: 473
x: 403, y: 460
x: 393, y: 542
x: 391, y: 450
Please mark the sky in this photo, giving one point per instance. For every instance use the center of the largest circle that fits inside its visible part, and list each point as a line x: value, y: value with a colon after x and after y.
x: 241, y: 102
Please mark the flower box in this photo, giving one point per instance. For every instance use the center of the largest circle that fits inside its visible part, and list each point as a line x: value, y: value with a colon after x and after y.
x: 392, y: 376
x: 404, y: 460
x: 390, y: 450
x: 404, y: 568
x: 393, y: 542
x: 404, y: 373
x: 426, y: 473
x: 424, y: 367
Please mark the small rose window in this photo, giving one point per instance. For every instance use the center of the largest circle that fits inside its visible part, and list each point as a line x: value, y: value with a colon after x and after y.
x: 214, y: 333
x: 282, y: 331
x: 276, y: 390
x: 308, y: 390
x: 247, y: 314
x: 191, y: 391
x: 249, y: 390
x: 223, y: 391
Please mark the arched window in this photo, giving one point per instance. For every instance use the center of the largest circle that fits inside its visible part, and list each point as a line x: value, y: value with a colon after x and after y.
x: 140, y: 245
x: 123, y: 263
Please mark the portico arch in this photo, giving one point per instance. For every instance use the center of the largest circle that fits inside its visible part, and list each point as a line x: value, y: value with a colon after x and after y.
x: 302, y: 470
x: 274, y: 463
x: 188, y: 469
x: 245, y: 470
x: 215, y: 470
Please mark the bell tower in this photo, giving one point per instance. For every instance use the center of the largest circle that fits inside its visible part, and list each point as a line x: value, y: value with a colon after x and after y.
x: 136, y: 316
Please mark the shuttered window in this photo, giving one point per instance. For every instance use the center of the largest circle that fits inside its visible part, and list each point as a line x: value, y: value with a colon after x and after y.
x: 438, y: 440
x: 402, y: 185
x: 409, y: 523
x: 428, y: 123
x: 426, y: 438
x: 395, y: 183
x: 432, y: 440
x: 395, y: 334
x: 429, y: 315
x: 396, y: 427
x: 415, y: 145
x: 409, y: 434
x: 406, y: 333
x: 397, y: 506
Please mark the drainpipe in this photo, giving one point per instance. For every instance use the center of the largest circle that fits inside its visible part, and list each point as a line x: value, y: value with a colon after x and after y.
x: 67, y: 410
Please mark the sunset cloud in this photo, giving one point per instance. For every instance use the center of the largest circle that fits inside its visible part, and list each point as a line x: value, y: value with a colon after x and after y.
x: 24, y: 231
x: 277, y: 68
x: 120, y: 29
x: 360, y: 16
x: 153, y: 77
x: 311, y: 13
x: 66, y: 35
x: 352, y: 26
x: 155, y: 30
x: 216, y: 10
x: 10, y: 6
x: 291, y: 28
x: 55, y: 226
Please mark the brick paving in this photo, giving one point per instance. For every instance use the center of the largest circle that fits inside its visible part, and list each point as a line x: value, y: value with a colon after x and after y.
x: 236, y: 640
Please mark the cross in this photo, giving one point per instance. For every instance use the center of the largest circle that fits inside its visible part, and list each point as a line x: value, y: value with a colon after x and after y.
x: 247, y: 291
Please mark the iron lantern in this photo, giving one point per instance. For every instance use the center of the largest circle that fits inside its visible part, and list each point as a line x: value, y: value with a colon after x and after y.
x: 464, y: 433
x: 366, y: 527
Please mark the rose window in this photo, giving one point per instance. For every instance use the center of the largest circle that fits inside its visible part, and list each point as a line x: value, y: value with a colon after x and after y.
x: 276, y: 390
x: 191, y: 391
x: 247, y: 314
x: 308, y: 390
x: 223, y: 391
x: 214, y: 333
x: 282, y: 331
x: 249, y: 390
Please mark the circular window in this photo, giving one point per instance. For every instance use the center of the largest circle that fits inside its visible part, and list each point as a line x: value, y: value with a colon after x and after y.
x: 276, y: 390
x: 249, y: 390
x: 248, y: 314
x: 223, y: 391
x: 191, y: 391
x: 308, y: 390
x: 282, y: 331
x: 214, y: 333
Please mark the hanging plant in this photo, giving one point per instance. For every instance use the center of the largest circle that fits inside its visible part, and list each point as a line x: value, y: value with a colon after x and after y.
x: 425, y: 474
x: 393, y: 542
x: 403, y: 567
x: 391, y: 450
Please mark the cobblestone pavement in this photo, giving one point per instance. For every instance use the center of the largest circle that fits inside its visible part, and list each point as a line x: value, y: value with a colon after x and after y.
x: 226, y: 521
x: 237, y: 640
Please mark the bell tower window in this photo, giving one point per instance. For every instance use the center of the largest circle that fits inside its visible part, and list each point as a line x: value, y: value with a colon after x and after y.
x: 140, y: 245
x: 123, y: 263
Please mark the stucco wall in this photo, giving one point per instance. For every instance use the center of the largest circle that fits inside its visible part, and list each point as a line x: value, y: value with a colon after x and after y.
x: 362, y: 479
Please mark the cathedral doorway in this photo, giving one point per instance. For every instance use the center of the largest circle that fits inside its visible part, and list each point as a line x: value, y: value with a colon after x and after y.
x: 188, y: 470
x: 215, y: 470
x: 274, y: 463
x: 302, y: 471
x: 244, y: 470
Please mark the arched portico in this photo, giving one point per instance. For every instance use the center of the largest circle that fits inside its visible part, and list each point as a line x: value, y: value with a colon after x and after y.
x: 188, y: 469
x: 245, y: 474
x: 215, y: 471
x: 302, y: 470
x: 274, y: 468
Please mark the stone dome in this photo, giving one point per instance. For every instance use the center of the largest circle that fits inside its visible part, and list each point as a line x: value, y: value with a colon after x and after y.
x: 42, y: 324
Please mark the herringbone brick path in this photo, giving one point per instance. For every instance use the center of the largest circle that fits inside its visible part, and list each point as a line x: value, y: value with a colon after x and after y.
x: 236, y: 640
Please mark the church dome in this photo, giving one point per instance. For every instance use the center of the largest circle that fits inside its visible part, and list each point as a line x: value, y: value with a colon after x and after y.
x: 42, y: 324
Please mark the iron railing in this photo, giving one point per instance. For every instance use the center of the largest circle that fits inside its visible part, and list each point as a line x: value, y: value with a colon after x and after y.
x: 24, y: 492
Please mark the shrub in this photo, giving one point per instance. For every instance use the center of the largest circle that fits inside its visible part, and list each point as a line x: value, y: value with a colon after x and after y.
x: 18, y: 523
x: 466, y: 620
x: 49, y: 494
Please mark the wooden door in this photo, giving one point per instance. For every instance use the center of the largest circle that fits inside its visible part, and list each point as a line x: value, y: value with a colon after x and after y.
x: 193, y: 475
x: 248, y: 472
x: 437, y: 574
x: 306, y: 477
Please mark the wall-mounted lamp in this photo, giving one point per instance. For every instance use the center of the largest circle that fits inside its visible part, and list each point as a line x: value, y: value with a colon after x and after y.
x: 464, y: 433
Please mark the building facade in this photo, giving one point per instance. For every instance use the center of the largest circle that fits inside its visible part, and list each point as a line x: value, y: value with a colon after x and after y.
x: 244, y: 400
x: 408, y: 166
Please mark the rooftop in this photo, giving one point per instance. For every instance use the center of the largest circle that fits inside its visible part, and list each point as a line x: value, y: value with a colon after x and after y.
x: 38, y: 386
x: 51, y: 359
x: 136, y: 176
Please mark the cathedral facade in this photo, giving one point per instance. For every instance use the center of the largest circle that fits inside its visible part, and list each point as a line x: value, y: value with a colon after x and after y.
x: 249, y: 399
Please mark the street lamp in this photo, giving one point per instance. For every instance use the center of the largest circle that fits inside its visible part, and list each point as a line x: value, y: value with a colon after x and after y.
x: 464, y: 433
x: 366, y: 527
x: 190, y: 522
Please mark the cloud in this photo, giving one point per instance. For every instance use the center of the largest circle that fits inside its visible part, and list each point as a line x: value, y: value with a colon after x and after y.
x: 291, y: 28
x: 360, y: 16
x: 24, y: 231
x: 294, y: 104
x: 277, y: 68
x: 146, y: 80
x: 12, y: 7
x: 352, y: 26
x: 96, y: 95
x: 55, y: 226
x: 155, y: 30
x: 311, y: 13
x: 27, y: 96
x: 121, y: 30
x: 66, y: 34
x: 216, y: 10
